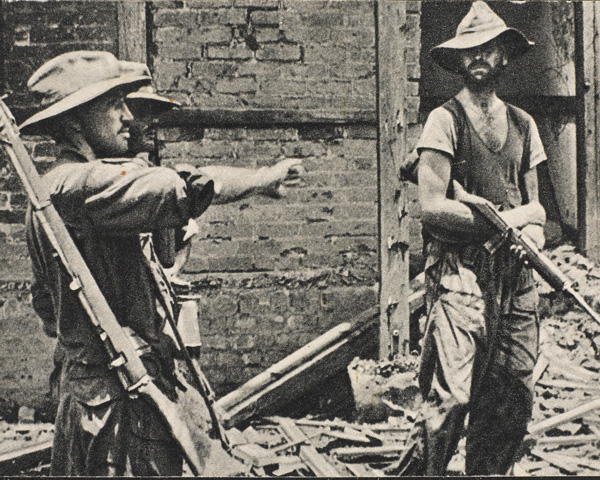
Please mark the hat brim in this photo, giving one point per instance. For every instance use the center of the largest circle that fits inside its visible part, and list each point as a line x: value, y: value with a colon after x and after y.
x: 153, y: 97
x: 445, y: 54
x: 157, y: 103
x: 82, y: 96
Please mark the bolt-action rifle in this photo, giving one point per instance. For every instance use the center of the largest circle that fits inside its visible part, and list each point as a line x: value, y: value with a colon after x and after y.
x: 533, y: 255
x: 124, y: 357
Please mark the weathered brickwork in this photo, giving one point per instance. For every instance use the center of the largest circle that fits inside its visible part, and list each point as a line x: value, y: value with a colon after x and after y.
x: 269, y: 275
x: 291, y: 55
x: 317, y: 247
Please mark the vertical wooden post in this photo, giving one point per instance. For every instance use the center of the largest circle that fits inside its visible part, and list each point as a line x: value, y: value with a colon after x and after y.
x: 587, y: 22
x: 131, y: 17
x: 390, y: 20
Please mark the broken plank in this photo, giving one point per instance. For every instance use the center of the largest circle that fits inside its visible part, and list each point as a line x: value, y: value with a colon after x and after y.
x: 287, y: 380
x: 16, y: 461
x: 563, y: 418
x: 258, y: 456
x: 285, y: 446
x: 554, y: 383
x: 561, y: 461
x: 353, y: 453
x: 348, y: 436
x: 567, y: 440
x: 308, y: 453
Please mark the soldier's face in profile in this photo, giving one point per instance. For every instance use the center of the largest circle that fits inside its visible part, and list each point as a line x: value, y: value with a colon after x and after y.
x: 142, y: 127
x: 105, y: 122
x: 482, y: 64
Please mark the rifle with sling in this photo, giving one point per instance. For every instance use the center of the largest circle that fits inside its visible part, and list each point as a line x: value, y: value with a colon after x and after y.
x: 534, y: 256
x: 124, y: 357
x: 167, y: 298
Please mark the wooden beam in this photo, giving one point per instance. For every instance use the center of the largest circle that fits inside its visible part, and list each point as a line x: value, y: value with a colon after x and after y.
x: 131, y: 18
x: 14, y: 462
x: 552, y: 422
x: 587, y: 21
x: 287, y: 380
x: 354, y: 453
x: 390, y: 34
x: 262, y: 118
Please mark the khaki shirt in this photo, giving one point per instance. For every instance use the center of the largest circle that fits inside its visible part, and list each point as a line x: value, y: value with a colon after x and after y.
x: 106, y: 204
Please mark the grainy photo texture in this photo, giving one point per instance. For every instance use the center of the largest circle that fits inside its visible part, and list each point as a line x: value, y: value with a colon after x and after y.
x: 276, y: 238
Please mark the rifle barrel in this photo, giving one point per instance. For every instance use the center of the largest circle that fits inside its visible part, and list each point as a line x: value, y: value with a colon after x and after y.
x: 582, y: 303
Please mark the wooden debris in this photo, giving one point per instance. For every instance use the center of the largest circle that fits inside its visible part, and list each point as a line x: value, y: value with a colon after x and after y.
x: 354, y: 453
x: 308, y: 453
x: 235, y: 437
x: 561, y: 384
x: 257, y: 456
x: 285, y: 446
x: 351, y: 437
x: 563, y: 418
x: 284, y: 382
x: 323, y: 358
x: 16, y: 461
x: 289, y: 468
x: 561, y: 461
x: 567, y: 440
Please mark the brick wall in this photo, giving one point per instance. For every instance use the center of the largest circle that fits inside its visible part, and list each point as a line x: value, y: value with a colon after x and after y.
x: 270, y: 54
x: 258, y: 80
x: 31, y: 33
x: 273, y: 274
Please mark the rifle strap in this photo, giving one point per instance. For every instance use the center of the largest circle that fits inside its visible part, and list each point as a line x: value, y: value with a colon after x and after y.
x: 167, y: 298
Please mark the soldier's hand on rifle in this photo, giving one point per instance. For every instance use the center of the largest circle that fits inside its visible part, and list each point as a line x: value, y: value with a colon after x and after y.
x: 536, y: 234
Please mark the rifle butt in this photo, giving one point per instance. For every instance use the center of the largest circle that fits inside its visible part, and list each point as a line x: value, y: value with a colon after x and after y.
x: 186, y: 426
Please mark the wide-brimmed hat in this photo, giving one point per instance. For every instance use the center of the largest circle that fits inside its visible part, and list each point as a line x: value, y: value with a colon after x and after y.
x: 479, y: 26
x: 146, y: 93
x: 74, y: 78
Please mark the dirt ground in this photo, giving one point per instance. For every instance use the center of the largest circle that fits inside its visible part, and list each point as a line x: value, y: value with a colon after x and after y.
x: 569, y: 366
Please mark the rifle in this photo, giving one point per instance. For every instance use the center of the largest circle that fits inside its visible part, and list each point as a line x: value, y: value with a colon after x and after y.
x: 200, y: 382
x: 117, y: 342
x: 534, y: 256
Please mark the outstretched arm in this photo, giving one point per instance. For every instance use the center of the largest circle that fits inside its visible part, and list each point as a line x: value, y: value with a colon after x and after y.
x: 233, y: 183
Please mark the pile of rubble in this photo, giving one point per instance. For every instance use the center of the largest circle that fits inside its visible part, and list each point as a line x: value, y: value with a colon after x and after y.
x: 564, y: 434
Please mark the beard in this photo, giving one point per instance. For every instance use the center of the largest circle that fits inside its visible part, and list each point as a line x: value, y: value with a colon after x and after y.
x: 485, y: 80
x: 141, y: 139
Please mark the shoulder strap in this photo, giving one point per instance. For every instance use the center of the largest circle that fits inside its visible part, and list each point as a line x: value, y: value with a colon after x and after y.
x: 458, y: 114
x: 521, y: 120
x: 459, y: 167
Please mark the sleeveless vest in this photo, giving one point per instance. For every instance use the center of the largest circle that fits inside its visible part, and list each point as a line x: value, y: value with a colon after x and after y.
x: 496, y: 176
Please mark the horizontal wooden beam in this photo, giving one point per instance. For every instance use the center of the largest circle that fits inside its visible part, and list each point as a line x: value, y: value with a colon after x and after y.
x: 263, y: 118
x: 196, y: 117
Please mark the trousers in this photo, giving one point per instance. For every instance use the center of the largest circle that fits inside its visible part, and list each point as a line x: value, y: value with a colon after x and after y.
x: 479, y: 351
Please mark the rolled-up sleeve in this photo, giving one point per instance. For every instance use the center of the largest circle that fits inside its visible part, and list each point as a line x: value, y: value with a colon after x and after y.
x: 439, y: 133
x: 121, y: 198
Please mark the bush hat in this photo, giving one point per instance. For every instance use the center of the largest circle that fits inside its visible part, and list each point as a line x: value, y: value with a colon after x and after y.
x: 479, y: 26
x: 74, y: 78
x: 147, y: 93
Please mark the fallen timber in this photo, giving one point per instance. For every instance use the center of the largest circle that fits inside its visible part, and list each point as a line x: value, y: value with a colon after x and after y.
x: 325, y: 357
x: 26, y: 458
